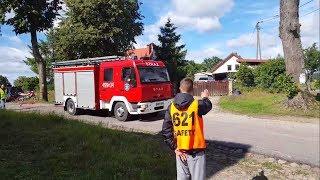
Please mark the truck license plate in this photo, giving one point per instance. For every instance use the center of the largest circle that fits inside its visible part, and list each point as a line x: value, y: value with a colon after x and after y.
x: 160, y: 103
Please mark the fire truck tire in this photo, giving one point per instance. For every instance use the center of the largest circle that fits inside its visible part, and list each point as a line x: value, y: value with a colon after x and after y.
x: 121, y: 112
x: 71, y: 108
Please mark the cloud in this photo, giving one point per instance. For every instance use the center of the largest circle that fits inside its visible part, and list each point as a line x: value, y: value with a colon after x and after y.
x: 270, y: 42
x: 9, y: 15
x: 249, y: 39
x: 200, y: 24
x: 188, y: 15
x: 150, y: 34
x: 202, y: 8
x: 62, y: 14
x: 11, y: 61
x: 200, y: 55
x: 256, y: 11
x: 272, y: 52
x: 200, y: 15
x: 310, y: 29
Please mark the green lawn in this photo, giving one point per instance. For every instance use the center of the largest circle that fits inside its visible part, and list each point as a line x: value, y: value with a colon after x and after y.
x: 37, y: 146
x: 262, y: 103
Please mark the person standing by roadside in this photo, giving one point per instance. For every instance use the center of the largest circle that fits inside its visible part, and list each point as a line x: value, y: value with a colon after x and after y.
x: 183, y: 131
x: 3, y: 96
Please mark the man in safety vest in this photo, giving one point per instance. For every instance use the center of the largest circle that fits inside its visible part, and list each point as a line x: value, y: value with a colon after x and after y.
x: 183, y: 131
x: 3, y: 96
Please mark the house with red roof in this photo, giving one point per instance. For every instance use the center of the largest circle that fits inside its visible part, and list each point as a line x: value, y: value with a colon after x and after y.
x: 231, y: 64
x: 146, y: 53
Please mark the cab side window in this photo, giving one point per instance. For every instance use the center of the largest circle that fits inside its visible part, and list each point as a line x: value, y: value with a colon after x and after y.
x: 108, y: 74
x: 128, y: 75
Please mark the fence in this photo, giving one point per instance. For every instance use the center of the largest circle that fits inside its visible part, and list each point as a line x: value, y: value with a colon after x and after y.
x: 216, y: 88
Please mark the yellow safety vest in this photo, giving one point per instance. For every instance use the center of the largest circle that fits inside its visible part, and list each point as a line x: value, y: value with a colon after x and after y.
x: 3, y: 94
x: 188, y: 127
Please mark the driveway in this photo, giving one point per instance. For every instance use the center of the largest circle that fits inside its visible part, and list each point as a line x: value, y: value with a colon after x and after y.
x: 293, y: 141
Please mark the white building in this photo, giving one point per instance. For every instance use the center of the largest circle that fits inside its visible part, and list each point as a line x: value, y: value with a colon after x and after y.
x: 231, y: 64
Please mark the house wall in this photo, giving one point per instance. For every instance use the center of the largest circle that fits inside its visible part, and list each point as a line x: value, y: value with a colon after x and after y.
x: 224, y: 68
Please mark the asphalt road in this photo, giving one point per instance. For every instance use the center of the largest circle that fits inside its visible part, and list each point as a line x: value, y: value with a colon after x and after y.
x: 293, y: 141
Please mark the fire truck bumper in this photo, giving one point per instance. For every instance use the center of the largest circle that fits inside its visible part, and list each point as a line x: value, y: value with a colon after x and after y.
x: 151, y: 107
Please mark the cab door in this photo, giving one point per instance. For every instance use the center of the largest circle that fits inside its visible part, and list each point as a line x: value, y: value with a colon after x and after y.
x: 128, y: 84
x: 107, y: 84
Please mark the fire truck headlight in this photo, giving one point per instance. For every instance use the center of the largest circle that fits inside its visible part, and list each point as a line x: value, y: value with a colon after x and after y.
x: 144, y: 106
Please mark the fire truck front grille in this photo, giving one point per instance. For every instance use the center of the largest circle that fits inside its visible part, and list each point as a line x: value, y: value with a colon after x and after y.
x: 159, y: 107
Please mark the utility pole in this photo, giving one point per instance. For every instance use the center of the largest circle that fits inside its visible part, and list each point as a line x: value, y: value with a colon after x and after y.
x: 258, y: 40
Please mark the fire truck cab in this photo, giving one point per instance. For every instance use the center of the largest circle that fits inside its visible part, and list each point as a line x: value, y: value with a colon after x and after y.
x: 124, y: 86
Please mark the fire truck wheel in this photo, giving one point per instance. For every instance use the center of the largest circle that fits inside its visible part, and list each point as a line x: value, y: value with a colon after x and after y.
x: 121, y: 112
x: 71, y: 107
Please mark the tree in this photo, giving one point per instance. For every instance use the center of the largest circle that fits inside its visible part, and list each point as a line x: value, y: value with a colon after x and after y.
x: 312, y: 62
x: 192, y: 68
x: 4, y: 80
x: 47, y: 53
x: 26, y: 83
x: 172, y: 54
x: 290, y: 37
x: 95, y: 28
x: 267, y: 73
x: 31, y: 17
x: 208, y: 63
x: 245, y: 76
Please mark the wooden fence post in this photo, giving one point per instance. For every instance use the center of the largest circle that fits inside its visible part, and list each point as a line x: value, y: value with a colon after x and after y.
x: 230, y: 84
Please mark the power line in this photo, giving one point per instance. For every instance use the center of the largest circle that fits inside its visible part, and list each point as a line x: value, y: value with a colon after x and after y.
x: 277, y: 15
x: 257, y: 28
x: 270, y: 18
x: 306, y: 3
x: 311, y: 12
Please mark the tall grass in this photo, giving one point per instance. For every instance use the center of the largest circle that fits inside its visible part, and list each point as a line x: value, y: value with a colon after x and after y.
x: 35, y: 146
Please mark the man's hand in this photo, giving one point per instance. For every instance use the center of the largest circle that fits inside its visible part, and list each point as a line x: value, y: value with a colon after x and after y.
x: 181, y: 154
x: 205, y: 93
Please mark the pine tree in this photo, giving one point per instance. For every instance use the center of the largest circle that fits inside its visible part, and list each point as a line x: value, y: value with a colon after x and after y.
x: 171, y: 53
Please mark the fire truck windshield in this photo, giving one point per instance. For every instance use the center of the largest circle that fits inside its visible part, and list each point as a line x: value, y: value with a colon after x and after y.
x: 152, y: 74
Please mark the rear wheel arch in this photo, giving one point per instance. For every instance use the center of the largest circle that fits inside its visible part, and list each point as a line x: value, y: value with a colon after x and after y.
x: 65, y: 104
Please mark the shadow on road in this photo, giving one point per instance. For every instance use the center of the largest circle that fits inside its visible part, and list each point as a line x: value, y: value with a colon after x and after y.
x: 143, y: 118
x: 221, y: 154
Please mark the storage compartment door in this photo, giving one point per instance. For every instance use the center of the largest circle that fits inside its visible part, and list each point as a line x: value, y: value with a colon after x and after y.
x: 69, y: 84
x: 58, y: 88
x: 86, y: 90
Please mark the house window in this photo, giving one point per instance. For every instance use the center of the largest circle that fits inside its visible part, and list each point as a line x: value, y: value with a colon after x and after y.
x: 229, y: 67
x: 237, y: 66
x: 108, y: 75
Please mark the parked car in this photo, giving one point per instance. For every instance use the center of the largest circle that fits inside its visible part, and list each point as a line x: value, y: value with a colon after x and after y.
x: 203, y: 77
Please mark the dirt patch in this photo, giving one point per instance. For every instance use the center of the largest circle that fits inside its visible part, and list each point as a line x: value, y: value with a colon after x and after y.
x: 255, y: 165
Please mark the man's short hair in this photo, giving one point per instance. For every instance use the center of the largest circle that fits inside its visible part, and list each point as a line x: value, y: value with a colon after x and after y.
x: 186, y: 84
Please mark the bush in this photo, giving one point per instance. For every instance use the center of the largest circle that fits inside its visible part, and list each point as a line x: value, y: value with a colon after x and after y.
x: 283, y: 83
x: 26, y: 83
x: 245, y: 76
x: 316, y: 84
x: 267, y: 73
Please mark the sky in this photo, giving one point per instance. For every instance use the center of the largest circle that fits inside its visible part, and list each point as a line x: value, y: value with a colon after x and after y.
x: 207, y: 27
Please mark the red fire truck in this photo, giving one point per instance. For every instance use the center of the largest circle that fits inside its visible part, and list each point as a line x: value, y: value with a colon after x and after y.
x: 124, y: 86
